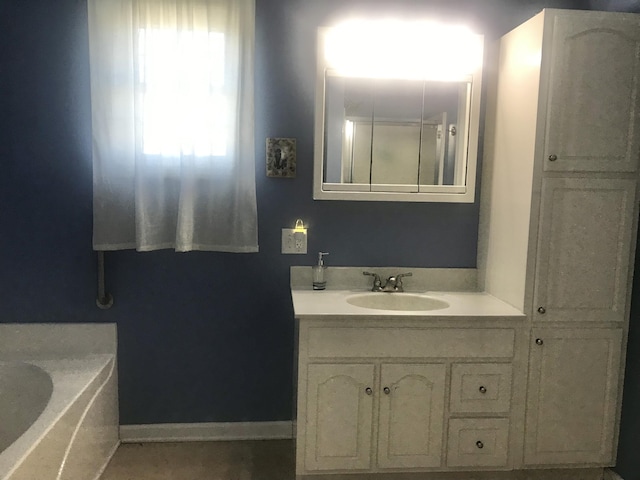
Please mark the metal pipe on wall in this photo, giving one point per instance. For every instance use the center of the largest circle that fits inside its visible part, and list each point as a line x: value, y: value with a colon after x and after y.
x: 104, y: 300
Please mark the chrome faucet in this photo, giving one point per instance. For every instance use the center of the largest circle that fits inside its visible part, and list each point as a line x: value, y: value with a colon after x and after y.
x: 392, y: 284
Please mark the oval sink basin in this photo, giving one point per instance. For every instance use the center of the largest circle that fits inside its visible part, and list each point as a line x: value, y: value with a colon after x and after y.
x: 396, y: 301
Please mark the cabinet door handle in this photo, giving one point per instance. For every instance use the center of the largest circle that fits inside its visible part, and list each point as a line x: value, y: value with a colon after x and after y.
x: 539, y: 341
x: 368, y: 391
x: 482, y: 389
x: 386, y: 390
x: 479, y: 444
x: 542, y: 310
x: 553, y: 158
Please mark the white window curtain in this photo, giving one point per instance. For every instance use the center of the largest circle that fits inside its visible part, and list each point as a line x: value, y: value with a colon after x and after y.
x: 172, y: 119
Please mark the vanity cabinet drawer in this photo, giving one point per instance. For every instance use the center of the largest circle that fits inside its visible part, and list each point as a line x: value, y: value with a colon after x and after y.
x: 478, y: 442
x: 477, y: 387
x: 406, y: 342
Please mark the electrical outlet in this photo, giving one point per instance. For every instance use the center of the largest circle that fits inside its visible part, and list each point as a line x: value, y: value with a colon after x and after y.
x: 294, y: 241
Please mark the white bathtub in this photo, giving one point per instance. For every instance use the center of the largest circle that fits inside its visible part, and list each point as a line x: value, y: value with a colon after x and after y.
x: 58, y: 418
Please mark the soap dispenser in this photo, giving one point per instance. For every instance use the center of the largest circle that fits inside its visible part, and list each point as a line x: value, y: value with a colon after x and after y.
x: 319, y: 282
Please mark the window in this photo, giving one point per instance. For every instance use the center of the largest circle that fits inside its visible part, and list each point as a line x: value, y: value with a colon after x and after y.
x: 181, y: 77
x: 172, y: 103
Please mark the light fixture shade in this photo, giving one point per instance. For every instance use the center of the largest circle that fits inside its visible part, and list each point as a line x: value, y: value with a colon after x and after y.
x: 400, y: 49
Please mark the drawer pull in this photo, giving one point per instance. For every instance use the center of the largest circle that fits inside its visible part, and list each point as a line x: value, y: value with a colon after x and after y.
x: 542, y: 310
x: 368, y: 391
x: 539, y: 341
x: 386, y: 390
x: 553, y: 157
x: 479, y: 444
x: 482, y: 389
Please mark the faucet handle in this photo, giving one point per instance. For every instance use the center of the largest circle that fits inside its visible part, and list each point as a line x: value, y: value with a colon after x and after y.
x: 397, y: 280
x: 377, y: 283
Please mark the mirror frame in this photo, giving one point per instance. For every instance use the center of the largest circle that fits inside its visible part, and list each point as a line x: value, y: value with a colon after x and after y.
x: 428, y: 193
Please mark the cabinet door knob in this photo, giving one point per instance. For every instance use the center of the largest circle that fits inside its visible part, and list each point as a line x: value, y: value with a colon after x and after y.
x: 479, y: 444
x: 553, y: 158
x: 539, y: 341
x: 482, y: 389
x: 542, y: 310
x: 386, y: 390
x: 368, y: 391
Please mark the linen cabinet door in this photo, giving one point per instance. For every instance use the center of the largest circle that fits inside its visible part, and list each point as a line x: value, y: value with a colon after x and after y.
x: 411, y: 415
x: 573, y: 396
x: 339, y: 417
x: 584, y: 249
x: 593, y: 103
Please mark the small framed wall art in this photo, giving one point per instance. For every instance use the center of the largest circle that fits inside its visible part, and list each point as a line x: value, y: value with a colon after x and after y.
x: 281, y: 157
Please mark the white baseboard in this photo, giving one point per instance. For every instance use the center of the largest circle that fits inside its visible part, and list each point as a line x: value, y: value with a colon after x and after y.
x: 611, y: 475
x: 198, y: 432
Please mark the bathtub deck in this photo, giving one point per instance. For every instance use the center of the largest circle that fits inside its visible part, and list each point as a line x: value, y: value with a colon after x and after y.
x: 242, y: 460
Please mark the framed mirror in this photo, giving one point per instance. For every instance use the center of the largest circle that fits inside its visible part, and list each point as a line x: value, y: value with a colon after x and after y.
x: 395, y: 135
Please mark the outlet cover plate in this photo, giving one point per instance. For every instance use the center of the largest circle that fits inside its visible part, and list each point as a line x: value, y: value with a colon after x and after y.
x: 294, y: 242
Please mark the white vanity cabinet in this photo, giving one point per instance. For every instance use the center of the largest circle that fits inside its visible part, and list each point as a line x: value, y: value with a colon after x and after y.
x: 404, y: 394
x: 558, y: 220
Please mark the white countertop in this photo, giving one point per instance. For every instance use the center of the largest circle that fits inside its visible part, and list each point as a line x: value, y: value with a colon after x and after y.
x: 319, y: 303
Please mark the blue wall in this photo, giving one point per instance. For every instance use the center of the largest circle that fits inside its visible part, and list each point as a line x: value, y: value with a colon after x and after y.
x: 203, y: 336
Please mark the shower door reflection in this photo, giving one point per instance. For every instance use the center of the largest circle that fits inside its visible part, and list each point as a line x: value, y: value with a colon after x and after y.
x: 393, y: 135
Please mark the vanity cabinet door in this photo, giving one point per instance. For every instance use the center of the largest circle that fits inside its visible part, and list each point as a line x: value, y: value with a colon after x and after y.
x: 411, y: 415
x: 573, y: 394
x: 594, y: 97
x: 339, y: 416
x: 584, y: 249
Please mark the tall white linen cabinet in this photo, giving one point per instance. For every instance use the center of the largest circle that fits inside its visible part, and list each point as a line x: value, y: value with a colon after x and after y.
x: 558, y: 221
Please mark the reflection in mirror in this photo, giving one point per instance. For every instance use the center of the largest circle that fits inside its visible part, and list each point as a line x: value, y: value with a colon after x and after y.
x: 397, y: 132
x: 384, y: 138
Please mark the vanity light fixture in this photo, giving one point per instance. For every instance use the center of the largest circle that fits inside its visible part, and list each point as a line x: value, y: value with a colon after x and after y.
x: 391, y: 49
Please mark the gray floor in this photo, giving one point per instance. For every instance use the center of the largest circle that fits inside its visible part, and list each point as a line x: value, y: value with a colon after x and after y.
x: 245, y: 460
x: 265, y: 460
